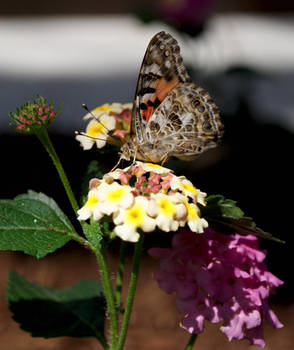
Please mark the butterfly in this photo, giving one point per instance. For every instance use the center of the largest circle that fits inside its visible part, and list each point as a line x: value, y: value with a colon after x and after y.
x: 171, y: 116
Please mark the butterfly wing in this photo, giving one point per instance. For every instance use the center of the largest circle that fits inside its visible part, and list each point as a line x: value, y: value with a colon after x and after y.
x: 162, y: 71
x: 185, y: 124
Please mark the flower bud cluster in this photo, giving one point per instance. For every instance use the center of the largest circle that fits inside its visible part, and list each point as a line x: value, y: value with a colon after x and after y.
x: 144, y: 196
x: 33, y: 116
x: 103, y: 120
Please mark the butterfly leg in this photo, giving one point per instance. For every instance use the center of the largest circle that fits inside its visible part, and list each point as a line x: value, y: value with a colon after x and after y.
x: 117, y: 164
x: 135, y: 156
x: 164, y: 159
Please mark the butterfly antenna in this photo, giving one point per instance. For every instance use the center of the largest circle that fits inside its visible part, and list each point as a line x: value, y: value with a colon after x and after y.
x: 97, y: 119
x: 90, y: 137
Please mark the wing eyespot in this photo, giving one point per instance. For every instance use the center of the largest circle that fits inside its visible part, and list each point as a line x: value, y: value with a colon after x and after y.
x: 207, y: 126
x: 196, y: 103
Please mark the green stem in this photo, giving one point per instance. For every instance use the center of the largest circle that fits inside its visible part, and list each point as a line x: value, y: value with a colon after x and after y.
x: 191, y: 342
x: 131, y: 292
x: 46, y: 142
x: 120, y: 274
x: 109, y: 296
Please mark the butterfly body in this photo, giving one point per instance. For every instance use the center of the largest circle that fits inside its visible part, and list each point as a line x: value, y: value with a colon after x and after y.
x: 171, y: 115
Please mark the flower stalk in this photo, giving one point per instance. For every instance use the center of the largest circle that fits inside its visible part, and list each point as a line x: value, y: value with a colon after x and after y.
x: 131, y: 291
x: 44, y: 138
x: 120, y: 273
x: 191, y: 342
x: 109, y: 296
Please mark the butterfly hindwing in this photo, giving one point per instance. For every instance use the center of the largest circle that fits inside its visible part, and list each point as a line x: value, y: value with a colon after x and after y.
x: 186, y: 123
x: 162, y: 70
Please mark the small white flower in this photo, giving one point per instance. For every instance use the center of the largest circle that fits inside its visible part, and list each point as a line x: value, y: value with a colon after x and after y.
x: 97, y: 132
x: 91, y: 208
x: 107, y: 109
x: 113, y: 175
x: 187, y: 188
x: 194, y: 221
x: 167, y: 211
x: 128, y: 220
x: 155, y: 168
x: 114, y: 196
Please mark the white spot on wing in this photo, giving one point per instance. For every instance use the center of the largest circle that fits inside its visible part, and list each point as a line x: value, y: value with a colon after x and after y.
x: 167, y: 64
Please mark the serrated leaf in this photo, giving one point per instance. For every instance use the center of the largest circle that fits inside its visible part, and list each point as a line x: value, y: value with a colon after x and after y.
x: 93, y: 233
x: 221, y: 206
x: 225, y: 213
x: 33, y: 223
x: 78, y: 311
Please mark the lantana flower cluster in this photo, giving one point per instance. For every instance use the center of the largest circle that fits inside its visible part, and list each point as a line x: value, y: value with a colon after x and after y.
x: 103, y: 120
x: 144, y: 196
x: 219, y: 278
x: 33, y: 116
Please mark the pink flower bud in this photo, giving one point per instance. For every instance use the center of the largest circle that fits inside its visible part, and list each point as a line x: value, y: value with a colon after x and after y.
x: 93, y: 183
x: 141, y: 179
x: 155, y: 188
x: 124, y: 177
x: 155, y: 178
x: 137, y: 170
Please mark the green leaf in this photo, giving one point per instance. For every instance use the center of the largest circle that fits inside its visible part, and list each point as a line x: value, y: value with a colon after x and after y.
x: 78, y: 311
x: 34, y: 224
x: 221, y: 206
x: 225, y: 214
x: 93, y: 233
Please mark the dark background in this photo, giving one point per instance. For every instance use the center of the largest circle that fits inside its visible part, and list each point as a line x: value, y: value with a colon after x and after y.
x: 253, y: 166
x: 117, y: 6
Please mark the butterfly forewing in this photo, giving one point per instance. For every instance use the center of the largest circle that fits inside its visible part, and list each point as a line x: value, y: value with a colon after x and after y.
x: 161, y: 71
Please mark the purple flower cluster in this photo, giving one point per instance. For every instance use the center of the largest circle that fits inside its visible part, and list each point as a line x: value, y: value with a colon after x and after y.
x: 179, y: 12
x: 219, y: 278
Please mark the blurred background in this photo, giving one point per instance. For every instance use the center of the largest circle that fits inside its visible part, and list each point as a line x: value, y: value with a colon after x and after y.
x: 75, y: 52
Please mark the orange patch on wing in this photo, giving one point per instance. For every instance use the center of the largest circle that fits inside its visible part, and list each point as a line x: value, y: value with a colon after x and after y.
x: 164, y: 87
x: 146, y: 114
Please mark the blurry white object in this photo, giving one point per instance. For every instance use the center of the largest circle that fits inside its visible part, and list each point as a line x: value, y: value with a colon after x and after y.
x: 103, y: 45
x: 96, y: 59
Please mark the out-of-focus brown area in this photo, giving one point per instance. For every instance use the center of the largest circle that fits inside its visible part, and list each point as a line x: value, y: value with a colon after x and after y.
x: 33, y: 7
x: 154, y: 322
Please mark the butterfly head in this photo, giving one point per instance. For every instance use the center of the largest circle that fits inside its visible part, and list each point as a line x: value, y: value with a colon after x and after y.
x: 145, y: 151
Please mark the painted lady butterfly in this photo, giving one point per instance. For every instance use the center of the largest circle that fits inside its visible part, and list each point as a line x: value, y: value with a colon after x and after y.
x: 171, y: 116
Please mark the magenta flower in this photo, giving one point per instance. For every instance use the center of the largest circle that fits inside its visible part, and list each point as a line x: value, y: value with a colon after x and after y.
x: 219, y: 278
x: 184, y: 12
